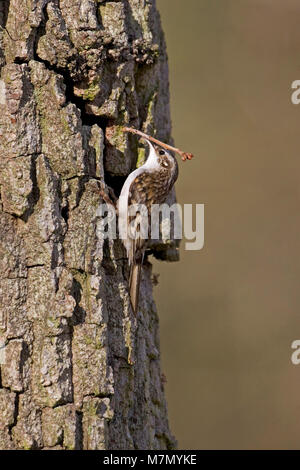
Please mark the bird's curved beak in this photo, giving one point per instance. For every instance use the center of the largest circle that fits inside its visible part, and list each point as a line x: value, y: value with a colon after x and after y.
x: 152, y: 157
x: 151, y: 147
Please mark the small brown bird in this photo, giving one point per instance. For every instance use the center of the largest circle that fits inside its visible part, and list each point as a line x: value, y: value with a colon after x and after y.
x: 147, y: 185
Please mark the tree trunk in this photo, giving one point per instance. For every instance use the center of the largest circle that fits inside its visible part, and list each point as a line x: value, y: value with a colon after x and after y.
x: 79, y: 371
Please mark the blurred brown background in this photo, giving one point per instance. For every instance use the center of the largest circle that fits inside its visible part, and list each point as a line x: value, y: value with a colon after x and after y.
x: 230, y: 312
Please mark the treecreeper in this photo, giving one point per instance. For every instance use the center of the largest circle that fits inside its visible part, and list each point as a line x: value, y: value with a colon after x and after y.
x: 149, y: 184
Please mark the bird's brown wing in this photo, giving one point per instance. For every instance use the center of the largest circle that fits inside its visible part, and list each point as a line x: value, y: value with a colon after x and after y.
x: 147, y: 188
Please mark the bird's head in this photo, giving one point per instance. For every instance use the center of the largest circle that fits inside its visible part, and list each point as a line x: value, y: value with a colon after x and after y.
x: 161, y: 157
x: 165, y: 158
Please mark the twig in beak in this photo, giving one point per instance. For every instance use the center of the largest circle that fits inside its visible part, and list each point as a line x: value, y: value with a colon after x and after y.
x: 184, y: 155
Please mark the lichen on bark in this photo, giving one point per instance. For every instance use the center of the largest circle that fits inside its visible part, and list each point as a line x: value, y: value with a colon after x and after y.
x: 81, y: 371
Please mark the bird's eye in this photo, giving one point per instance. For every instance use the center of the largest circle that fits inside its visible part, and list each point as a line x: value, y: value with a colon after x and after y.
x: 161, y: 152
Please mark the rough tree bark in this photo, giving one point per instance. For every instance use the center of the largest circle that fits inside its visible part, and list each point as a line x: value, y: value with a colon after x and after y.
x: 80, y: 370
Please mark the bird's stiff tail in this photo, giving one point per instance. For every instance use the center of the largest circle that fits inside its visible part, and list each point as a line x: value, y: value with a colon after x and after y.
x: 134, y: 283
